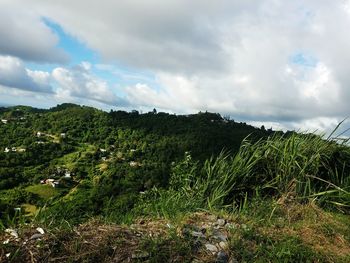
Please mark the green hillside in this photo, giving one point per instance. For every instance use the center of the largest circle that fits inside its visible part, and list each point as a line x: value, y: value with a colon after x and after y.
x: 171, y: 188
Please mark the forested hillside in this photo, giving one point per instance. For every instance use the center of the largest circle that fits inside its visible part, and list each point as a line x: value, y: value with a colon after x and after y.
x: 110, y: 157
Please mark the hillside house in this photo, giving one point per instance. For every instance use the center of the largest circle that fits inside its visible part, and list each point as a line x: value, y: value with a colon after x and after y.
x: 63, y: 135
x: 4, y: 121
x: 52, y: 182
x: 6, y: 150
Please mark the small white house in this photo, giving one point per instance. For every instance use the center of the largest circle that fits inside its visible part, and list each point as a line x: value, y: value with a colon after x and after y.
x: 103, y: 150
x: 51, y: 182
x: 67, y: 175
x: 38, y: 134
x: 63, y: 135
x: 14, y: 149
x: 6, y: 150
x: 4, y: 121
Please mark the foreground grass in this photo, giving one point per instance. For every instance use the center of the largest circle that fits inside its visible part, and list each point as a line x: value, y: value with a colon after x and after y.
x: 264, y: 232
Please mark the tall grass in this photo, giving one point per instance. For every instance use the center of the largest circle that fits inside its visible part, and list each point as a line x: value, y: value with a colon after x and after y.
x: 302, y: 166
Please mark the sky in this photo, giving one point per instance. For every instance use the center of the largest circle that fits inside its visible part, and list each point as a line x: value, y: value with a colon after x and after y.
x: 284, y: 64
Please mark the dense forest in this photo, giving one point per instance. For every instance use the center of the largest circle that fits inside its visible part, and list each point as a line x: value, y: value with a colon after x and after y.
x: 83, y: 185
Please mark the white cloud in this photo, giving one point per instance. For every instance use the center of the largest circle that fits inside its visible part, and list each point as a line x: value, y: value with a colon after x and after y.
x: 231, y: 56
x: 79, y: 81
x: 13, y: 74
x: 24, y: 34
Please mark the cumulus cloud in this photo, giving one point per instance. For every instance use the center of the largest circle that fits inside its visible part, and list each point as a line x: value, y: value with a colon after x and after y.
x: 14, y: 74
x: 79, y: 81
x: 168, y: 35
x: 232, y: 56
x: 24, y: 34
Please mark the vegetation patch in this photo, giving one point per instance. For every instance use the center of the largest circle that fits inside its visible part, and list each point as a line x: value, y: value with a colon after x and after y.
x: 44, y: 191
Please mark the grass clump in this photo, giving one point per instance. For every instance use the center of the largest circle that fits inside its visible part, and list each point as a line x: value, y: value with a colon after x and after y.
x: 300, y: 167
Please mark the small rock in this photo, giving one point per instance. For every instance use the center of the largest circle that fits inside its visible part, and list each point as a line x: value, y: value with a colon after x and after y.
x: 223, y: 245
x: 6, y: 241
x: 233, y: 260
x: 198, y: 228
x: 221, y: 222
x: 35, y: 236
x: 219, y: 235
x: 138, y: 255
x: 40, y: 230
x: 213, y: 249
x: 222, y: 257
x: 197, y: 234
x: 12, y: 232
x: 8, y: 255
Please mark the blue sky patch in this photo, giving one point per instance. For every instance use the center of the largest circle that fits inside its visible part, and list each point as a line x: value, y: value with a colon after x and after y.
x: 303, y: 59
x: 116, y: 75
x: 76, y: 49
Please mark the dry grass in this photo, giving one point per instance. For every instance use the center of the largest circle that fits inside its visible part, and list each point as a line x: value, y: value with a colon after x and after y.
x: 95, y: 241
x: 316, y: 228
x: 90, y: 242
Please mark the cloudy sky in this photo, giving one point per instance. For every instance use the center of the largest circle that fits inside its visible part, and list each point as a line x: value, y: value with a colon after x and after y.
x: 282, y: 63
